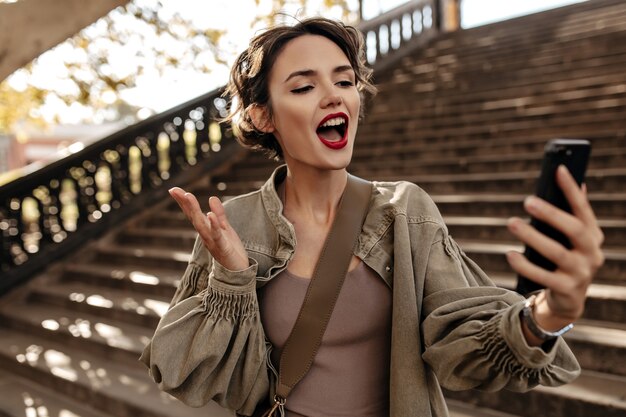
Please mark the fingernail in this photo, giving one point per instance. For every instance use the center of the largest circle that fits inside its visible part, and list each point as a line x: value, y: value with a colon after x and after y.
x: 513, y: 223
x: 532, y: 203
x: 512, y: 255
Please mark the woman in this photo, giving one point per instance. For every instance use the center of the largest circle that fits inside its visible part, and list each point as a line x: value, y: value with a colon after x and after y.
x: 414, y: 312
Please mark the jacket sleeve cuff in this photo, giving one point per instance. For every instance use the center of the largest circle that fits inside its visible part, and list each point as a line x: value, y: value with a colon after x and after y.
x: 225, y: 280
x: 528, y: 356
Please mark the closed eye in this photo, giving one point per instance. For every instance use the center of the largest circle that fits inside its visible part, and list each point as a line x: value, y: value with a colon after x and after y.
x: 346, y: 83
x: 302, y: 89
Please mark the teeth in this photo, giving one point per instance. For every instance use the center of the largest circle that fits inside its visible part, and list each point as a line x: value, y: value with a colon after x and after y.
x: 334, y: 122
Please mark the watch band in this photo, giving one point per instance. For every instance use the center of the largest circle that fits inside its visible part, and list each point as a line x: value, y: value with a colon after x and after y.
x: 535, y: 329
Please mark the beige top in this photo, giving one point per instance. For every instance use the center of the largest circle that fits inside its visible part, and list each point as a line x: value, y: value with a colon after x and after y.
x: 350, y: 373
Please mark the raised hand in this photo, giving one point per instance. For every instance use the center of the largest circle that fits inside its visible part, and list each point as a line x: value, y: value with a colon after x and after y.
x: 564, y: 298
x: 218, y: 236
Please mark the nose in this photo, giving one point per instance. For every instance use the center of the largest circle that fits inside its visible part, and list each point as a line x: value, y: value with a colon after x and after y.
x: 331, y: 99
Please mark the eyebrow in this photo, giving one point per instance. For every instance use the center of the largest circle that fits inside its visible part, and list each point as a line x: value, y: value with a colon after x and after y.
x: 310, y: 72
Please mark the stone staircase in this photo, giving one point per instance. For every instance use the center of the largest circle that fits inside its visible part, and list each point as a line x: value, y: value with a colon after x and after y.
x: 465, y: 118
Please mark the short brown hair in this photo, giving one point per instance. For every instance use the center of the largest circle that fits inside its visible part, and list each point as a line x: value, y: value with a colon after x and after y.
x: 249, y: 76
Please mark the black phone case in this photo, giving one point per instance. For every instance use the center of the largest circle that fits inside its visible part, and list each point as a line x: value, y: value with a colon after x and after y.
x: 574, y: 154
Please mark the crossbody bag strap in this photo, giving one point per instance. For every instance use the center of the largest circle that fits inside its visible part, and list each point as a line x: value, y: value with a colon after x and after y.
x: 331, y: 269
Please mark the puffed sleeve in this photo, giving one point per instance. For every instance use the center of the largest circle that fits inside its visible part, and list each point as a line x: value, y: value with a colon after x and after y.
x: 472, y: 331
x: 210, y: 344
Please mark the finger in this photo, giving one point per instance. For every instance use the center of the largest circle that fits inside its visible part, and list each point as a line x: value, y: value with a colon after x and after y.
x: 217, y: 232
x: 199, y: 220
x: 216, y: 207
x: 571, y: 226
x: 576, y: 197
x: 549, y: 248
x: 524, y: 267
x: 178, y: 194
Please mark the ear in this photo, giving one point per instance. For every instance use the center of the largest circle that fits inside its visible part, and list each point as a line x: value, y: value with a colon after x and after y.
x: 260, y: 118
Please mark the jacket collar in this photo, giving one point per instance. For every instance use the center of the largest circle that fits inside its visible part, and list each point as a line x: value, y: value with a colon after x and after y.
x: 274, y: 206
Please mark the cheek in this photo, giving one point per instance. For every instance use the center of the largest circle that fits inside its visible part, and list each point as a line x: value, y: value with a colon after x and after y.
x: 355, y: 101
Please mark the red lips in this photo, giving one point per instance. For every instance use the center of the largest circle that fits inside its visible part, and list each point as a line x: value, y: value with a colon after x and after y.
x: 344, y: 140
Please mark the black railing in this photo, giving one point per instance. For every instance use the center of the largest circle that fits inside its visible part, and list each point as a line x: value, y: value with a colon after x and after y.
x: 50, y: 212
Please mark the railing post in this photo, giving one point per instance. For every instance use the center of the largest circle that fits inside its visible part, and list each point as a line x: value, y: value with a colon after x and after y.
x: 450, y: 15
x: 410, y: 37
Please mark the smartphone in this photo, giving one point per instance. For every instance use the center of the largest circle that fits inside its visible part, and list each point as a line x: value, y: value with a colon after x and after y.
x: 574, y: 154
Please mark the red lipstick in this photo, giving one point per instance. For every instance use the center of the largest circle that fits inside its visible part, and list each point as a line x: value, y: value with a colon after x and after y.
x: 344, y: 139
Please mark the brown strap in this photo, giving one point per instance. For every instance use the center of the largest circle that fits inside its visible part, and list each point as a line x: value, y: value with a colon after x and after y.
x: 331, y: 269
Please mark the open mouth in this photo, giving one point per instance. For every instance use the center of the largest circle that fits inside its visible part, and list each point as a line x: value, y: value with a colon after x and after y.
x: 333, y: 129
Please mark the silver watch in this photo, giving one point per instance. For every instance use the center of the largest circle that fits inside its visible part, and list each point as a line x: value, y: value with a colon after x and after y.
x: 527, y: 316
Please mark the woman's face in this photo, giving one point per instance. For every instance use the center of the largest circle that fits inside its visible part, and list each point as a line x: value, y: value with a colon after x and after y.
x: 315, y: 103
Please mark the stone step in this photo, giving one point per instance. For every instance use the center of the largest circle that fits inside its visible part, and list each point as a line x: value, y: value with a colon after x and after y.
x: 120, y: 390
x: 143, y: 257
x: 599, y: 347
x: 111, y: 339
x: 540, y: 98
x: 415, y: 158
x: 414, y: 145
x: 509, y: 53
x: 158, y: 282
x: 24, y: 398
x: 392, y: 165
x: 605, y: 205
x: 494, y: 229
x: 461, y: 409
x: 398, y: 168
x: 520, y: 69
x: 491, y: 257
x: 180, y: 238
x: 458, y: 79
x: 558, y: 125
x: 172, y: 218
x: 592, y: 394
x: 454, y: 79
x: 549, y: 27
x: 597, y: 180
x: 132, y: 308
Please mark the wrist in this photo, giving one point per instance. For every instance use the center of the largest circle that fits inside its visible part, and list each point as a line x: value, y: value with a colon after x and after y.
x: 545, y: 317
x: 534, y: 331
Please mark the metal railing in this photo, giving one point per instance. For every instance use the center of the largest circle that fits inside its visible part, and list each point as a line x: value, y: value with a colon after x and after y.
x: 49, y: 213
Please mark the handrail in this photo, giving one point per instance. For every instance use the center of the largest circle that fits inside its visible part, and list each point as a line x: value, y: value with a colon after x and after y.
x: 399, y: 31
x: 48, y: 213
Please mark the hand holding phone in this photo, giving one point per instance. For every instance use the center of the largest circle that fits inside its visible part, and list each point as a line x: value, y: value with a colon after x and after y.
x: 574, y: 155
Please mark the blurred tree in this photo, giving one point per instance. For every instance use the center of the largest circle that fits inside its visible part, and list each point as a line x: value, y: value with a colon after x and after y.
x: 95, y: 73
x: 306, y: 8
x: 17, y: 105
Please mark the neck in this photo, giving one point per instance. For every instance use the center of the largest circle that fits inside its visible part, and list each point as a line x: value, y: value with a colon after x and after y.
x: 312, y: 195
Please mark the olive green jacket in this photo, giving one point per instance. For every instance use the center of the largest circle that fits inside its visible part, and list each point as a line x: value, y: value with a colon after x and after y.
x: 451, y: 326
